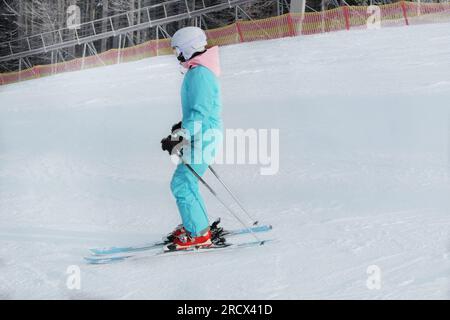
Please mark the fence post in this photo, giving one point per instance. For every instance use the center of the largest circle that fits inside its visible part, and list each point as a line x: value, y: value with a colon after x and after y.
x: 346, y: 17
x: 238, y: 28
x: 33, y: 72
x: 153, y: 48
x: 402, y: 4
x: 292, y: 32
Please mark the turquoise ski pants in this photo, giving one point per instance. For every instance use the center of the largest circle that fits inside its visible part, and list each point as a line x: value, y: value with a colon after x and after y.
x: 184, y: 186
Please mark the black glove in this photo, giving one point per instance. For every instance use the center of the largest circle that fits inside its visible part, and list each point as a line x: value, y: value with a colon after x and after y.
x: 176, y: 127
x: 170, y: 142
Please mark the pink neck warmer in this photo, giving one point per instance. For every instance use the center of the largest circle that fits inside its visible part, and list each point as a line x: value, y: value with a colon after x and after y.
x: 209, y: 59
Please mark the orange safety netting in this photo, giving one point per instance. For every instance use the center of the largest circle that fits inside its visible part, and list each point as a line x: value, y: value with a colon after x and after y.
x: 343, y: 18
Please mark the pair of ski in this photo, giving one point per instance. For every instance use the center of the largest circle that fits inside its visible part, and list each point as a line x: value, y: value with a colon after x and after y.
x: 219, y: 239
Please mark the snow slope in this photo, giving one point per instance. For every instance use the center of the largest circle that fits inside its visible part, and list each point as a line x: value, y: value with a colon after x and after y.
x: 363, y: 180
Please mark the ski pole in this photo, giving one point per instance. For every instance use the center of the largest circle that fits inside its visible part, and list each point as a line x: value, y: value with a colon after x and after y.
x: 218, y: 198
x: 255, y: 222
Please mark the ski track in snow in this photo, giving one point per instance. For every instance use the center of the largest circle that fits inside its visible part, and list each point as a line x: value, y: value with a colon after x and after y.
x: 363, y: 180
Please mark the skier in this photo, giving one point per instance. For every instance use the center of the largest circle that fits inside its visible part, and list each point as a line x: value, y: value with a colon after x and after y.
x: 201, y: 108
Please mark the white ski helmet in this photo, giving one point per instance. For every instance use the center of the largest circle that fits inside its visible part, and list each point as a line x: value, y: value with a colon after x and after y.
x: 188, y: 41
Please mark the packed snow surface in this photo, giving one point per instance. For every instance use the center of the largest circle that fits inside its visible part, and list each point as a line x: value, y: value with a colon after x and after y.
x: 363, y: 181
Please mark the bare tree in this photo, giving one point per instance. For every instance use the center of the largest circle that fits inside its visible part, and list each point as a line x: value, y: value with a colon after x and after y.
x: 105, y: 12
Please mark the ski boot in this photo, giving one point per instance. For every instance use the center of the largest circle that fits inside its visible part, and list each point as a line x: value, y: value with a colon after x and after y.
x: 185, y: 241
x: 217, y: 234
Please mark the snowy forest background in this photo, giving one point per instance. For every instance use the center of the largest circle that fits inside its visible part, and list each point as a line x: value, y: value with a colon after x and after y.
x: 20, y: 18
